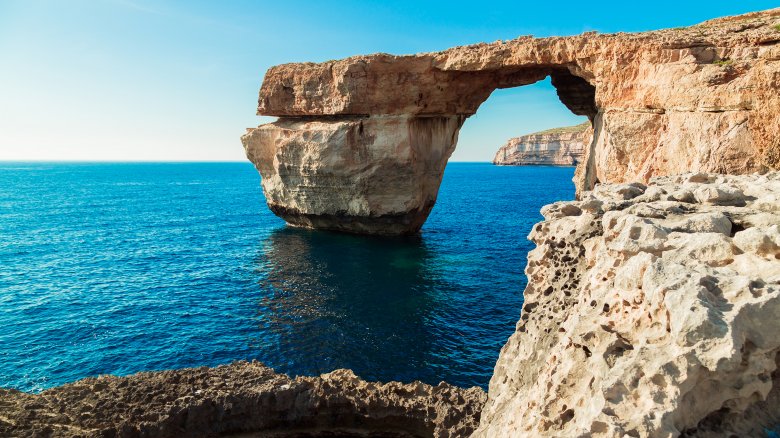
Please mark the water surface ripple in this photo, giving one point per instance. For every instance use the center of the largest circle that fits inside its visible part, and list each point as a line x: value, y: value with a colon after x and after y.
x: 119, y: 268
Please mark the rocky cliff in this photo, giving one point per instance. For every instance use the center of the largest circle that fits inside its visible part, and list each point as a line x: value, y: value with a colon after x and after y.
x: 650, y: 311
x: 361, y: 143
x: 553, y: 147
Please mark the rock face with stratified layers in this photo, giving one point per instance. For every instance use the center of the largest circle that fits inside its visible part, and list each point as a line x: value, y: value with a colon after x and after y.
x: 553, y: 147
x: 650, y: 311
x: 373, y: 175
x: 361, y: 143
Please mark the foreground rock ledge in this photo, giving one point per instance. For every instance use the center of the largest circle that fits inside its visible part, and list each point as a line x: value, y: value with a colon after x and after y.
x: 361, y: 143
x: 242, y: 399
x: 650, y: 311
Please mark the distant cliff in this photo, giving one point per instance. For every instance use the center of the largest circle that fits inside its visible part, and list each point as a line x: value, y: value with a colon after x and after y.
x: 556, y: 147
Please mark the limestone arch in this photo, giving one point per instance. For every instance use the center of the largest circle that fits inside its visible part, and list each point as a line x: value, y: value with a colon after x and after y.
x: 374, y: 164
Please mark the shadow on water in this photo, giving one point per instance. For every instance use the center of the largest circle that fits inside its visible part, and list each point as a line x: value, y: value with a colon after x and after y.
x: 434, y: 307
x: 333, y: 300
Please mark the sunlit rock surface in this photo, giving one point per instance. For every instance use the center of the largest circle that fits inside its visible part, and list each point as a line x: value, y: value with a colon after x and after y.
x: 242, y: 399
x: 360, y: 143
x: 375, y: 175
x: 650, y: 311
x: 554, y: 147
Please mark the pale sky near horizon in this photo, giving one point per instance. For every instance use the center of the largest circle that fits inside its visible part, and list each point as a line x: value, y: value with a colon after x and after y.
x: 143, y: 80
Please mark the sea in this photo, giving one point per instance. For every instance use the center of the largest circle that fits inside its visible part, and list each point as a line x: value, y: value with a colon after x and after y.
x: 116, y: 268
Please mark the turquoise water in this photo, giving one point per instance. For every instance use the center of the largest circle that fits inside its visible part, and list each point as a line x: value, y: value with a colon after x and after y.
x: 119, y: 268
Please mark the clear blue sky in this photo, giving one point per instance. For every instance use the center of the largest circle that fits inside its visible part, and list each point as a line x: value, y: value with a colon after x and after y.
x: 178, y: 80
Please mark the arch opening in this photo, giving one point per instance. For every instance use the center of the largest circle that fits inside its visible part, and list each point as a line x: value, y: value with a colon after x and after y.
x: 573, y: 90
x: 519, y: 107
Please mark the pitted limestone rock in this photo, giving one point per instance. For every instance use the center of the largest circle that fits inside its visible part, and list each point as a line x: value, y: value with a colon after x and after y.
x: 240, y: 400
x: 648, y: 315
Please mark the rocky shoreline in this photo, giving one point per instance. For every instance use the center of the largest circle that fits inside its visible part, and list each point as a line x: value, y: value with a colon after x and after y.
x: 651, y: 311
x: 242, y: 399
x: 553, y: 147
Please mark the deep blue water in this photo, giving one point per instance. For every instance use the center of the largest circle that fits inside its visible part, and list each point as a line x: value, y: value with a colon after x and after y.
x: 119, y: 268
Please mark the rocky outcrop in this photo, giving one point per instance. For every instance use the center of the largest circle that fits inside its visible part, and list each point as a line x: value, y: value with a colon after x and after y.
x: 361, y: 143
x: 242, y: 399
x: 553, y: 147
x: 650, y: 311
x: 377, y: 175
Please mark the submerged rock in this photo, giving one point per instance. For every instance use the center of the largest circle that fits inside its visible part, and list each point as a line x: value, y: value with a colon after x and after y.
x: 648, y: 316
x: 242, y: 399
x: 361, y: 143
x: 554, y: 147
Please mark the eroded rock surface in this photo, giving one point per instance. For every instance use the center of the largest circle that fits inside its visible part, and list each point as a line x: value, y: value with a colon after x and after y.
x: 242, y: 399
x: 376, y: 175
x: 361, y: 143
x: 554, y: 147
x: 650, y: 311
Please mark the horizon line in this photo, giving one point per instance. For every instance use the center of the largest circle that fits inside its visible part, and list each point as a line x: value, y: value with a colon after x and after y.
x: 160, y: 161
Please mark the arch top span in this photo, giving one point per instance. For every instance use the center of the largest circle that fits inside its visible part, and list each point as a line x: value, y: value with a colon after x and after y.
x: 384, y: 84
x: 361, y: 143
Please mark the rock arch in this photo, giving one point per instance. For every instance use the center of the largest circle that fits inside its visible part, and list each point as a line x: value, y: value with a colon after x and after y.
x: 361, y: 143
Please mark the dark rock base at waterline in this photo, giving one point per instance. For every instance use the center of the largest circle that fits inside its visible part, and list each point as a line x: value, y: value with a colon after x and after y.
x: 241, y: 399
x: 401, y: 224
